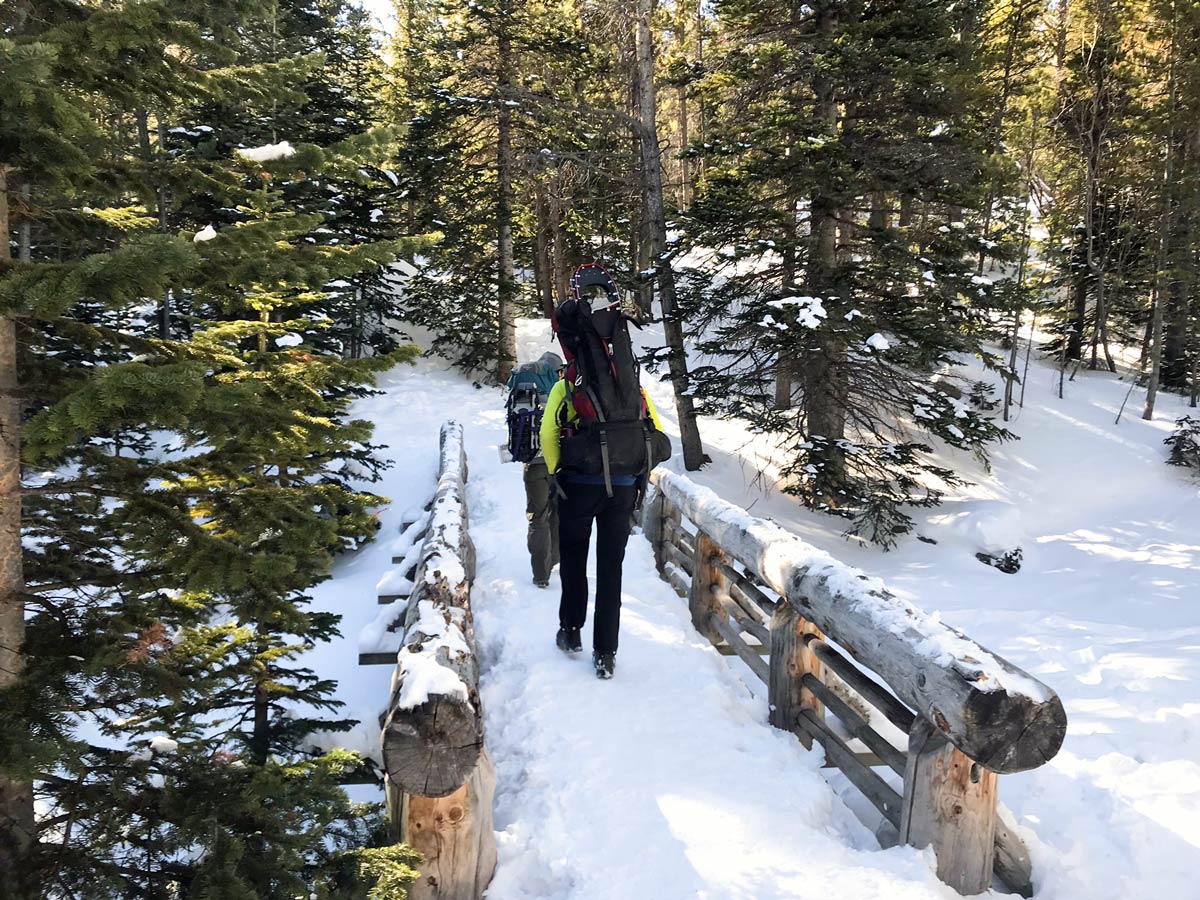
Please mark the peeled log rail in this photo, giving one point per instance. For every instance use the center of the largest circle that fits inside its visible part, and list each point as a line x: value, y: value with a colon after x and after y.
x: 433, y: 731
x: 996, y: 714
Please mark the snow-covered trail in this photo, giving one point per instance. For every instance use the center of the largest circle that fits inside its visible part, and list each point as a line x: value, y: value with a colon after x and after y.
x: 667, y: 782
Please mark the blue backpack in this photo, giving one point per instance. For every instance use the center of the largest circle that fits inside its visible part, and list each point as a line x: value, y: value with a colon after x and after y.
x: 524, y: 409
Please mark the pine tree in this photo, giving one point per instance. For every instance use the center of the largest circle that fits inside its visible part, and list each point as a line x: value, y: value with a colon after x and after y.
x: 843, y: 160
x: 191, y: 487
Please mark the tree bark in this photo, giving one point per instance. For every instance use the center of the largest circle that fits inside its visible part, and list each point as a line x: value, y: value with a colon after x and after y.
x: 824, y: 374
x: 685, y: 168
x: 1078, y: 314
x: 543, y: 268
x: 785, y: 364
x: 560, y: 255
x: 1180, y: 309
x: 693, y: 451
x: 16, y: 797
x: 506, y: 282
x: 1166, y: 216
x: 25, y: 229
x: 164, y: 225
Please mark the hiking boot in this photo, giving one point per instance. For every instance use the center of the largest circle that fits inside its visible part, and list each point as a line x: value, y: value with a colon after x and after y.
x: 568, y: 640
x: 605, y: 664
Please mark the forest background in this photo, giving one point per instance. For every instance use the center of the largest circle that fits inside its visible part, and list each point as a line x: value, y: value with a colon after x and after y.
x: 218, y: 221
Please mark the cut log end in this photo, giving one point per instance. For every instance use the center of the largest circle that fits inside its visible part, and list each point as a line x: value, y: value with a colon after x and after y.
x: 1013, y: 733
x: 432, y: 749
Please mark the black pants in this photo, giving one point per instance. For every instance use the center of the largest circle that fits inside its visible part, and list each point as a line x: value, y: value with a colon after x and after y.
x: 613, y: 517
x: 542, y: 514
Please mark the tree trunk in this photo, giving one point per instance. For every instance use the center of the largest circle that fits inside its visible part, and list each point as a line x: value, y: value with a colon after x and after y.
x: 560, y: 255
x: 260, y: 735
x: 1078, y: 315
x: 164, y: 225
x: 506, y: 284
x: 693, y: 451
x: 543, y: 268
x: 825, y: 385
x: 702, y: 112
x: 1180, y: 309
x: 785, y: 366
x: 25, y: 232
x: 1100, y: 328
x: 1165, y: 230
x: 685, y: 168
x: 16, y: 797
x: 642, y: 253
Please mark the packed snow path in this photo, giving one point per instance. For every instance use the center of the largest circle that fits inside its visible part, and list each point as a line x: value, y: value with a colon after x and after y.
x: 667, y: 782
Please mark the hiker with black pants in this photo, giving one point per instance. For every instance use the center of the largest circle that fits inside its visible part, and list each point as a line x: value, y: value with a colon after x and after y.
x: 600, y: 436
x: 538, y: 379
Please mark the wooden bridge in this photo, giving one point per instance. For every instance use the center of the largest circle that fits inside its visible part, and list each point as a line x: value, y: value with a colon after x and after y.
x: 846, y: 664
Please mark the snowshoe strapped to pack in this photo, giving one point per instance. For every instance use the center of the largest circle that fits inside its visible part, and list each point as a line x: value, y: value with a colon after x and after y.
x: 614, y: 434
x: 524, y: 414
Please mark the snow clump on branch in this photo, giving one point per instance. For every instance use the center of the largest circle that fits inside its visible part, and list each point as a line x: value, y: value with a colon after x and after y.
x: 267, y: 152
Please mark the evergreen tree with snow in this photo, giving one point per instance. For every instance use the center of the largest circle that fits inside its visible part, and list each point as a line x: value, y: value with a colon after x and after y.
x: 517, y: 214
x: 189, y: 470
x: 840, y: 176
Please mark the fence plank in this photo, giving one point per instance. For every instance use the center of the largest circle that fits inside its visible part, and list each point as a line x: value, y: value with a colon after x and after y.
x: 746, y: 623
x: 684, y: 560
x: 881, y: 794
x: 653, y: 512
x: 897, y: 713
x: 858, y: 726
x: 747, y: 592
x: 1012, y: 865
x: 749, y: 655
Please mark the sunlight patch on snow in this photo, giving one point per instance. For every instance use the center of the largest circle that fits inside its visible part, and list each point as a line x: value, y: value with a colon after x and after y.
x: 1175, y: 556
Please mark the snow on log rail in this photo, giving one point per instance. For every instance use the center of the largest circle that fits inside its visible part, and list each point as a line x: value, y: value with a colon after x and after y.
x: 440, y: 781
x: 968, y: 713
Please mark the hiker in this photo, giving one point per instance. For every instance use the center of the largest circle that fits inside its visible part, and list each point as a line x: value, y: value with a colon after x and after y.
x: 529, y: 387
x: 600, y: 437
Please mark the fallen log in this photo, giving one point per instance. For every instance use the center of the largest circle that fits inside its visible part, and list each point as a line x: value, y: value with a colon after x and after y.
x: 433, y: 730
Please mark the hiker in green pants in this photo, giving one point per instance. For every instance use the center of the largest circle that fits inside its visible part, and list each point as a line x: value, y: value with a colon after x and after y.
x: 541, y: 510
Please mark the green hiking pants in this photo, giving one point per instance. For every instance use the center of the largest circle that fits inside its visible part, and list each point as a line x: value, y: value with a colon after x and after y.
x: 541, y: 509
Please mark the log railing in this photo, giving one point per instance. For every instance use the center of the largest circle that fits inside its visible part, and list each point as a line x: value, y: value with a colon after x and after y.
x: 815, y: 632
x: 440, y: 782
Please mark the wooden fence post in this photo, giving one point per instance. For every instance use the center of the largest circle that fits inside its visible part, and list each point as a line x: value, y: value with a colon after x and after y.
x: 454, y: 835
x: 791, y: 659
x: 707, y: 577
x: 653, y: 513
x: 950, y: 805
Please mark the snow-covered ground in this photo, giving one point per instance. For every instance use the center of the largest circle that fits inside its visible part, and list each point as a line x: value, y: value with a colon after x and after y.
x: 667, y: 782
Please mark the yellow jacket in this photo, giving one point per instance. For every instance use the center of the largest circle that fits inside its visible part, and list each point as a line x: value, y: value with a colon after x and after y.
x: 550, y: 430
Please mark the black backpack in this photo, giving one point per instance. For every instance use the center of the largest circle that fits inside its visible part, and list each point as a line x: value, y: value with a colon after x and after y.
x: 524, y: 409
x: 613, y: 434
